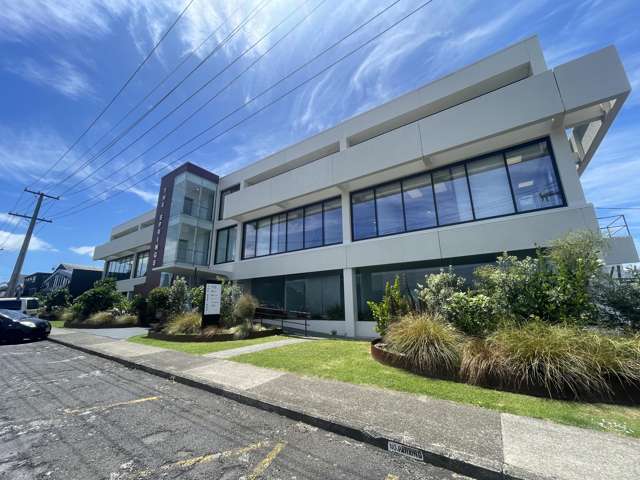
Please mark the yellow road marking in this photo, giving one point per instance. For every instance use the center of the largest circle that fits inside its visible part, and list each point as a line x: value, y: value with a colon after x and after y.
x: 106, y: 407
x: 268, y: 460
x: 391, y: 476
x: 212, y: 456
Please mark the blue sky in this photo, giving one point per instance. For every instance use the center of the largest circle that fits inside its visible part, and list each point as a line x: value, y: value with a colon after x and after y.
x: 62, y: 60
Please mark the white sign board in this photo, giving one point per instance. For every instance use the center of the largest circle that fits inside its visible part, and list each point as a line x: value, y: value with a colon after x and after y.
x: 212, y: 294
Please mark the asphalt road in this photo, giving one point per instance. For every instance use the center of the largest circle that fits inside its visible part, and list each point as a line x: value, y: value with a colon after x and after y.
x: 68, y: 415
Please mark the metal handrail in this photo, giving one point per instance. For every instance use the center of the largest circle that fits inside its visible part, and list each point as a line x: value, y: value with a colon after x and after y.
x: 613, y: 226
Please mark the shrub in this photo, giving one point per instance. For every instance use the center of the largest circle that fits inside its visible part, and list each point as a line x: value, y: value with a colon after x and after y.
x: 245, y: 308
x: 69, y: 314
x: 103, y: 296
x: 139, y: 308
x: 179, y: 301
x: 126, y: 320
x: 472, y: 314
x: 242, y: 330
x: 438, y: 288
x: 60, y: 298
x: 431, y: 345
x: 557, y: 360
x: 619, y: 300
x: 184, y: 324
x: 100, y: 319
x: 393, y: 306
x: 158, y: 304
x: 197, y: 298
x: 231, y: 292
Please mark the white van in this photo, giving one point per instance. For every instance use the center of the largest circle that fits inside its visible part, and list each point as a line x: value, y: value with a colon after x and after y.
x: 27, y: 305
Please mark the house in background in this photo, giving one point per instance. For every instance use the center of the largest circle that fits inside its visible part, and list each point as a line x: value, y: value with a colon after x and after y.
x: 485, y: 160
x: 77, y: 278
x: 33, y: 283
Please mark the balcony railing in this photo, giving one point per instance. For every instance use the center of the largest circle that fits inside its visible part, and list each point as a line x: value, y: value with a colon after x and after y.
x: 614, y: 226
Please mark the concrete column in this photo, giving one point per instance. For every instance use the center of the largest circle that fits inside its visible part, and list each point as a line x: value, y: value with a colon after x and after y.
x: 346, y: 217
x: 133, y: 267
x: 566, y: 162
x: 350, y: 301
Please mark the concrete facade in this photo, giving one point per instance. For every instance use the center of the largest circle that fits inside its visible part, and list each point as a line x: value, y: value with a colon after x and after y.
x: 502, y: 103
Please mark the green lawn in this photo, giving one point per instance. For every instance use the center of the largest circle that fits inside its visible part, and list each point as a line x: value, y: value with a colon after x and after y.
x: 201, y: 348
x: 350, y: 361
x: 57, y: 323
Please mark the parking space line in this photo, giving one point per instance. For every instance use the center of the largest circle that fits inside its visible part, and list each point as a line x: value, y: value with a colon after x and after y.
x: 266, y: 461
x: 199, y: 460
x: 99, y: 408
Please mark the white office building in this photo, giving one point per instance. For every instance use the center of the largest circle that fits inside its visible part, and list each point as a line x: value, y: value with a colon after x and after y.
x: 482, y: 161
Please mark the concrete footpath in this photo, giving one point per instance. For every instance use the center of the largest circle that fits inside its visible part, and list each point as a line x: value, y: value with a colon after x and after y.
x: 469, y: 440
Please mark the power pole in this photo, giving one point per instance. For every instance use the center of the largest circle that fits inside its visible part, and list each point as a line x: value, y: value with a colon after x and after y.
x: 13, y: 282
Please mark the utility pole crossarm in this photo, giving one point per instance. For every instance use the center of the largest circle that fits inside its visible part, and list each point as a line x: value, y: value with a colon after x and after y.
x: 13, y: 281
x: 29, y: 217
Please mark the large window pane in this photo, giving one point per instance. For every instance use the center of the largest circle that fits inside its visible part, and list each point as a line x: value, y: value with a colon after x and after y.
x: 419, y: 206
x: 231, y: 244
x: 318, y: 296
x: 279, y: 233
x: 490, y: 189
x: 389, y: 205
x: 294, y: 230
x: 264, y: 237
x: 333, y: 221
x: 249, y: 240
x: 221, y: 245
x: 533, y: 178
x: 364, y: 215
x: 452, y: 195
x: 269, y: 291
x: 313, y: 226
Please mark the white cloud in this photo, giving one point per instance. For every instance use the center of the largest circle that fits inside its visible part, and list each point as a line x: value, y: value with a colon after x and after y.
x: 9, y: 219
x: 60, y: 75
x: 13, y: 242
x: 150, y: 197
x: 86, y: 250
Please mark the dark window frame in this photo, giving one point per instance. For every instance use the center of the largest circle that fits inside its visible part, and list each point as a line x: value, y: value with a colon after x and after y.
x: 143, y: 254
x: 464, y: 162
x: 216, y: 261
x: 286, y: 223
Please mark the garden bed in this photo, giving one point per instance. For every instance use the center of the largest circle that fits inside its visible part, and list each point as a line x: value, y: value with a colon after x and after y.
x: 621, y: 393
x: 221, y: 337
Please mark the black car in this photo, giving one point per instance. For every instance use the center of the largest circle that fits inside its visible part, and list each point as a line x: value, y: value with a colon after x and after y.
x: 16, y: 326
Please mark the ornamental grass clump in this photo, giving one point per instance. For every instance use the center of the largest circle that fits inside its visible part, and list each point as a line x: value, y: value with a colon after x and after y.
x: 189, y: 323
x: 428, y: 344
x: 560, y: 361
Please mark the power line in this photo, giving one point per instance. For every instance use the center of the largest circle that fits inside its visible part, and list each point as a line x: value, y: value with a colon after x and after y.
x: 159, y: 84
x: 201, y: 107
x: 80, y: 208
x: 118, y: 93
x: 249, y: 17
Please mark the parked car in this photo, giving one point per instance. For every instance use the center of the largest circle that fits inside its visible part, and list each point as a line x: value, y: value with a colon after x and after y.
x: 16, y: 326
x: 27, y: 305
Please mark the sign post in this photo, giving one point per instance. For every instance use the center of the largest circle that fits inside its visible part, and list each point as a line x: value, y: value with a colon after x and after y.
x: 212, y: 302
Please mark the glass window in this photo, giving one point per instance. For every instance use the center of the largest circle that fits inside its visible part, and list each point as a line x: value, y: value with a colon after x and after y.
x: 141, y: 265
x: 223, y: 196
x: 419, y: 206
x: 120, y: 269
x: 221, y: 245
x: 264, y: 237
x: 364, y: 215
x: 452, y: 195
x: 389, y: 207
x: 294, y: 230
x: 533, y: 178
x: 249, y: 240
x: 313, y: 226
x: 269, y: 291
x: 279, y: 233
x: 231, y: 244
x: 490, y: 188
x: 333, y: 221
